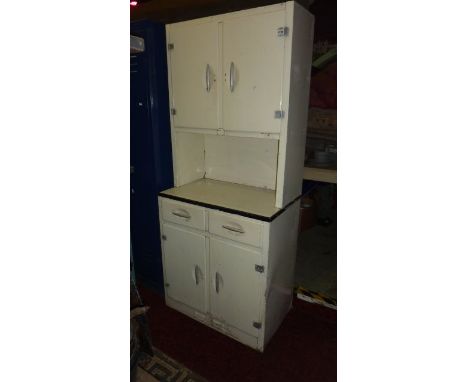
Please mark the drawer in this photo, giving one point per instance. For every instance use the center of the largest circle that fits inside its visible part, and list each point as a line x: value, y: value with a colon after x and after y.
x: 183, y: 213
x: 237, y: 228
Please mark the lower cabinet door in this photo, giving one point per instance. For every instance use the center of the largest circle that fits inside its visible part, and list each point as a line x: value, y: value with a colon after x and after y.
x: 185, y: 266
x: 236, y: 285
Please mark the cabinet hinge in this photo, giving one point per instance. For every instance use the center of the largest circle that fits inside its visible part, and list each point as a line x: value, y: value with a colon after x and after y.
x: 173, y: 111
x: 282, y: 31
x: 164, y: 237
x: 170, y: 46
x: 257, y: 325
x: 259, y: 268
x: 279, y: 114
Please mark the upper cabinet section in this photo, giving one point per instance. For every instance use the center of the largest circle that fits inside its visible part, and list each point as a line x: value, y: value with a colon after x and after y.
x: 193, y: 71
x: 239, y: 90
x: 227, y: 71
x: 253, y: 57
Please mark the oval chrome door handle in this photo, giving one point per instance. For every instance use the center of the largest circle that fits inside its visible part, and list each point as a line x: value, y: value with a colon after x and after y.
x: 208, y: 78
x: 195, y: 272
x: 231, y: 77
x: 217, y: 282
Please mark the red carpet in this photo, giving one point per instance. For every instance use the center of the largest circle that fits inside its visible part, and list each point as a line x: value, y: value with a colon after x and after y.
x: 303, y: 349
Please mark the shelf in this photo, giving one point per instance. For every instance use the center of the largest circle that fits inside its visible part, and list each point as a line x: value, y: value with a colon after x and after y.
x: 327, y: 175
x: 231, y: 197
x: 228, y: 133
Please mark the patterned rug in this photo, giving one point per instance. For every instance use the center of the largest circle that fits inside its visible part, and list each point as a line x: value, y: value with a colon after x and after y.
x: 161, y: 368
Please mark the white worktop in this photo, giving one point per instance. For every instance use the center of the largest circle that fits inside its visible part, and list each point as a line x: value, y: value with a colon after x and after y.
x: 232, y: 196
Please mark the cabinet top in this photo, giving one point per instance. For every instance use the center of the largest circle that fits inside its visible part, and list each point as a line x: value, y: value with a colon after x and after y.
x: 252, y: 202
x: 244, y: 12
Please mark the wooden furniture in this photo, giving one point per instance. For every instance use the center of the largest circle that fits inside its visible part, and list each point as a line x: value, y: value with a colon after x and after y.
x: 239, y: 87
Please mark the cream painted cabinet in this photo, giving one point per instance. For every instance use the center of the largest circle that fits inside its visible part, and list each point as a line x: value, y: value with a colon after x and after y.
x: 185, y: 266
x: 235, y: 303
x: 253, y: 60
x: 239, y: 90
x: 231, y: 272
x: 193, y: 71
x: 251, y: 69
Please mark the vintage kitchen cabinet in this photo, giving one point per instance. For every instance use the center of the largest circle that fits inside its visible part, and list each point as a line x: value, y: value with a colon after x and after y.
x: 238, y: 89
x: 231, y: 272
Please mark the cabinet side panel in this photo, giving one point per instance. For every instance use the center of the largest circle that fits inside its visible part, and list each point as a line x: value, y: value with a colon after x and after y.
x: 280, y: 269
x: 296, y: 100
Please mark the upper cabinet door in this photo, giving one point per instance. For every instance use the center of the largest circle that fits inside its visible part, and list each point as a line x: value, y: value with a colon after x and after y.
x: 193, y: 70
x: 253, y: 56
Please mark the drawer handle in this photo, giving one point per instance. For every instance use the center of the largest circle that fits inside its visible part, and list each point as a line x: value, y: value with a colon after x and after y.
x: 181, y: 214
x: 233, y: 229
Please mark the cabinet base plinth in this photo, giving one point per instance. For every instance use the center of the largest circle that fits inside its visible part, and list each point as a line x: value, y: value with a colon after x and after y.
x: 205, y: 319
